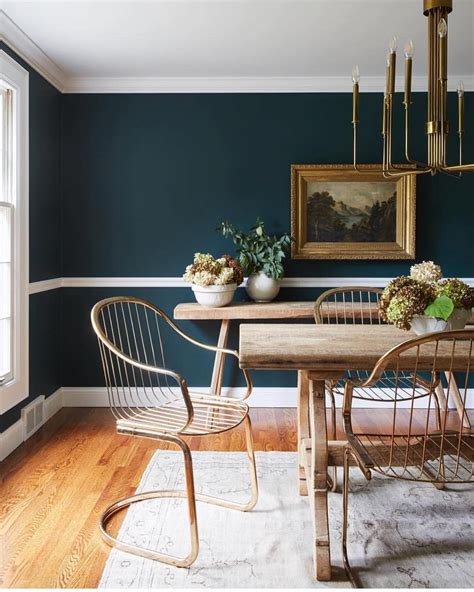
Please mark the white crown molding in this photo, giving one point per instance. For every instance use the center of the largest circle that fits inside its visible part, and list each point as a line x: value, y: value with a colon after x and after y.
x: 27, y: 49
x: 245, y: 84
x: 178, y: 282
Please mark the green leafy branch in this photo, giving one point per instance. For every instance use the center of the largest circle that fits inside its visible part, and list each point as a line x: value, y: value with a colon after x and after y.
x: 257, y: 250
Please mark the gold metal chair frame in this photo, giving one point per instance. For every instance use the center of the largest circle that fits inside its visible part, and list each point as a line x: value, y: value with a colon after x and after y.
x: 339, y: 306
x: 146, y: 405
x: 440, y: 453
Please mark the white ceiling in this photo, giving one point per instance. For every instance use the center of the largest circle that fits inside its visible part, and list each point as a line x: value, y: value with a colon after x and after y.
x: 213, y: 39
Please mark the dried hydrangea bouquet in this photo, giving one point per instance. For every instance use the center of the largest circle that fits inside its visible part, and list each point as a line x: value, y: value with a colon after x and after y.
x: 425, y: 302
x: 214, y: 281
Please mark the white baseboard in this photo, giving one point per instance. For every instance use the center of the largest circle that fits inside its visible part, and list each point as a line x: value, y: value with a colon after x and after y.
x: 53, y: 404
x: 274, y: 397
x: 260, y: 397
x: 13, y: 436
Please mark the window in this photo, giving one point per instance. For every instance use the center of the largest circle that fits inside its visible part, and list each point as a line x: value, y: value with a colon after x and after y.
x: 13, y: 233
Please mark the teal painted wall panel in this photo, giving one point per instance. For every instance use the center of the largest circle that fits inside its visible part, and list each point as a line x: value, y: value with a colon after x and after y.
x: 146, y: 178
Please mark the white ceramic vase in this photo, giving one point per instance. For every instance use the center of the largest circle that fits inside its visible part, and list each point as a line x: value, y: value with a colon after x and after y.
x: 214, y: 296
x: 421, y: 324
x: 261, y: 288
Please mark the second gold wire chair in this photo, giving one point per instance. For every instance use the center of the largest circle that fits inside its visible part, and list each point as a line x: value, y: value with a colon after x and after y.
x: 349, y: 306
x: 150, y: 400
x: 418, y: 446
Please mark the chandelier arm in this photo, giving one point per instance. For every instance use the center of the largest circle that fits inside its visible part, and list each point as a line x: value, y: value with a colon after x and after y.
x: 405, y: 173
x: 407, y: 142
x: 356, y: 167
x: 454, y: 175
x: 468, y: 168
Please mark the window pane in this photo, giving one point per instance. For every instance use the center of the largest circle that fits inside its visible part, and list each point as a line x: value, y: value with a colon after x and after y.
x: 5, y: 234
x: 5, y: 349
x: 2, y: 146
x: 5, y: 290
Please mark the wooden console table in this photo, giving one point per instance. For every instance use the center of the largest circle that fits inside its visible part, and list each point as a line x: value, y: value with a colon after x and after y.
x: 239, y: 311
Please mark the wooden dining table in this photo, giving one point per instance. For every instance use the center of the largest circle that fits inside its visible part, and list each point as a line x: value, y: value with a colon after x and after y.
x: 319, y: 353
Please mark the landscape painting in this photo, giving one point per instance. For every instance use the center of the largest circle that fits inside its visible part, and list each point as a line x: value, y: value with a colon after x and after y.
x: 340, y: 213
x: 352, y: 212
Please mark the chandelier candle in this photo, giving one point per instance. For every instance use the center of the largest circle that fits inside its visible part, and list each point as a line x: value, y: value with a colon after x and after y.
x: 408, y: 72
x: 355, y: 94
x: 437, y: 127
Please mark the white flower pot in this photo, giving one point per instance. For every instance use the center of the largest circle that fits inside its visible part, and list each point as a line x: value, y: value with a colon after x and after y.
x: 421, y: 324
x: 458, y: 319
x: 214, y: 296
x: 261, y: 288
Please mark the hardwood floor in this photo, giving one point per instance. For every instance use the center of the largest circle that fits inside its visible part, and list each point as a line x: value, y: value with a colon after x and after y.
x: 56, y: 484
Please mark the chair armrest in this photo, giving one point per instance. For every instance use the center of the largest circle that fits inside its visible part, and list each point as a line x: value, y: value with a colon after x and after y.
x: 214, y: 348
x: 361, y: 456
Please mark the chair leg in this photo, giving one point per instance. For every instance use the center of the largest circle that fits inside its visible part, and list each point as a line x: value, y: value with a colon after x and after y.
x: 332, y: 482
x: 189, y: 494
x: 345, y: 508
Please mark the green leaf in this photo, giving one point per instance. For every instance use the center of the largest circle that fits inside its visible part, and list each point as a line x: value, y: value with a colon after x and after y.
x: 440, y: 308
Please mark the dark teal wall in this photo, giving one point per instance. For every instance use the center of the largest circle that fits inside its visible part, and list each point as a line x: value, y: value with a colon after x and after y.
x: 45, y: 251
x: 146, y: 179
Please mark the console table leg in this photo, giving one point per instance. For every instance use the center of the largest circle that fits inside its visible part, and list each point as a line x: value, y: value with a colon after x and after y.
x: 218, y: 370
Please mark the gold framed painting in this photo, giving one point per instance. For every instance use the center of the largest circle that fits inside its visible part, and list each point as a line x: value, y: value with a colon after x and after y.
x: 339, y: 213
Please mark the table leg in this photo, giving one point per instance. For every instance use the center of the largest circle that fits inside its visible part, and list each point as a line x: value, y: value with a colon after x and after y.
x: 319, y: 472
x: 457, y: 398
x: 303, y: 428
x: 218, y: 370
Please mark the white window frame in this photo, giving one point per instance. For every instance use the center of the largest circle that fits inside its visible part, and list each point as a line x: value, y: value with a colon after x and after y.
x: 16, y: 389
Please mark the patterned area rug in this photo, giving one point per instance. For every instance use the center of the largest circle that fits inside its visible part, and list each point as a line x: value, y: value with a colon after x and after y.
x: 401, y: 535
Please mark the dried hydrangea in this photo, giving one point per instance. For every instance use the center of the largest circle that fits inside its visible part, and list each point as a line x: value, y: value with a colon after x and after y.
x: 237, y: 268
x: 459, y: 292
x: 402, y: 299
x: 207, y: 271
x: 225, y: 277
x: 426, y: 272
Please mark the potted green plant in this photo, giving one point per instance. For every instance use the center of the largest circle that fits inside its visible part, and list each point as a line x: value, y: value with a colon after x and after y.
x: 214, y: 281
x: 425, y: 302
x: 261, y: 257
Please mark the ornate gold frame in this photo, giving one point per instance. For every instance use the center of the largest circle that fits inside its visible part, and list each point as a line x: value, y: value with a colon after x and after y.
x: 403, y: 248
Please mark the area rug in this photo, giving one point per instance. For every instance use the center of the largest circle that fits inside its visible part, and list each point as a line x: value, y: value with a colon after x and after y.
x: 402, y: 535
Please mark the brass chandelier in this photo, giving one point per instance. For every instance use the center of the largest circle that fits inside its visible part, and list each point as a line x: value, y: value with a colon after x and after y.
x: 437, y: 126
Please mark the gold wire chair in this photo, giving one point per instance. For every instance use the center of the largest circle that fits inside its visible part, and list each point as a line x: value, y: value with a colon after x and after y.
x: 350, y: 306
x: 151, y: 401
x: 421, y: 448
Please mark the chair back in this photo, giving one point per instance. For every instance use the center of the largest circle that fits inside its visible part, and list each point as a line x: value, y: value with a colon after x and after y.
x: 130, y: 336
x: 358, y: 305
x: 430, y: 437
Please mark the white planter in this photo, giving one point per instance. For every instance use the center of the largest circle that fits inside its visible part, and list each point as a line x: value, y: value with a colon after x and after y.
x: 214, y: 296
x: 458, y: 319
x: 261, y: 288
